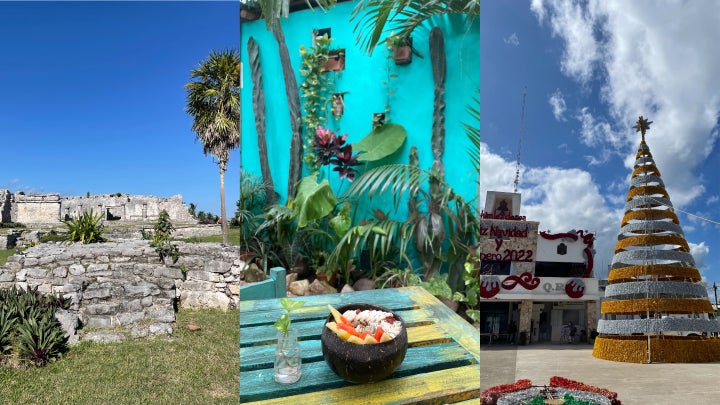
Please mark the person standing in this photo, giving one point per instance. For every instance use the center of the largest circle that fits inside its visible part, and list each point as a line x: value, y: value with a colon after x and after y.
x: 512, y: 330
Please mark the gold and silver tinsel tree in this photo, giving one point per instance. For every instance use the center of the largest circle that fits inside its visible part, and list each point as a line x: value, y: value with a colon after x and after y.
x: 655, y: 308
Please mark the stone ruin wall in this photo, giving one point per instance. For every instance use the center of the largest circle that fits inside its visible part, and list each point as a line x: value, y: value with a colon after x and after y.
x: 52, y: 208
x: 121, y: 290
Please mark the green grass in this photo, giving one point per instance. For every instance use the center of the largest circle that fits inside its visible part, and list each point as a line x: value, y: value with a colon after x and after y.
x: 233, y: 237
x: 200, y: 367
x: 4, y: 254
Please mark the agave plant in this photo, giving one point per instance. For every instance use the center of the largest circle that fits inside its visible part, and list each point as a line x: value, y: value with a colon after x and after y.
x: 86, y: 228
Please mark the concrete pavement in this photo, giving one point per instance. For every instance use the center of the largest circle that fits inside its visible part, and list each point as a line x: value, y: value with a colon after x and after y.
x: 636, y: 384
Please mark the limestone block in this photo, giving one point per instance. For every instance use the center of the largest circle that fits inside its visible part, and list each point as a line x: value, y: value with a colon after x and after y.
x: 126, y: 318
x: 30, y: 261
x: 142, y: 290
x: 144, y: 269
x: 36, y: 272
x: 99, y: 321
x: 77, y: 269
x: 21, y: 275
x: 103, y: 259
x: 138, y: 332
x: 120, y: 259
x: 132, y: 305
x: 7, y: 276
x: 220, y: 285
x: 198, y: 286
x: 234, y: 289
x: 217, y: 266
x: 146, y: 301
x: 168, y: 272
x: 161, y: 313
x: 300, y: 287
x: 104, y: 337
x: 60, y: 272
x: 203, y: 276
x: 204, y: 299
x: 46, y: 260
x: 20, y: 284
x: 160, y: 329
x: 12, y: 265
x: 69, y: 323
x: 45, y: 288
x: 96, y: 292
x: 102, y: 309
x: 94, y: 267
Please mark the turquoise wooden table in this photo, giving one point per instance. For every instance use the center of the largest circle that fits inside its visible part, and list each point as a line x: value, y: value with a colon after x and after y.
x: 441, y: 366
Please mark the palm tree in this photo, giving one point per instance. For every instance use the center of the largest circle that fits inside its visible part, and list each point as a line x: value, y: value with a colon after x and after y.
x: 373, y: 15
x: 213, y: 100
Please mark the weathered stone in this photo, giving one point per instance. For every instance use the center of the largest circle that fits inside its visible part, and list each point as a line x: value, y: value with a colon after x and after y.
x: 321, y: 287
x: 203, y: 276
x: 234, y: 289
x: 138, y: 332
x: 120, y: 259
x: 36, y: 272
x: 69, y: 323
x: 290, y: 278
x: 347, y: 288
x: 160, y: 329
x: 216, y: 266
x: 252, y: 274
x: 77, y: 269
x: 364, y: 284
x: 132, y: 305
x: 198, y: 286
x: 20, y: 275
x: 127, y: 318
x: 21, y: 285
x: 102, y: 309
x: 30, y: 261
x: 7, y: 276
x: 202, y: 299
x: 220, y: 286
x: 104, y: 337
x: 300, y: 287
x: 46, y: 260
x: 146, y: 301
x: 161, y: 313
x: 168, y: 272
x: 144, y: 269
x: 99, y: 321
x: 92, y: 268
x: 143, y: 290
x: 60, y: 272
x: 96, y: 293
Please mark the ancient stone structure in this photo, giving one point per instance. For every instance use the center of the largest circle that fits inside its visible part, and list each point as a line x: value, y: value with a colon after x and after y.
x: 121, y: 289
x: 52, y: 208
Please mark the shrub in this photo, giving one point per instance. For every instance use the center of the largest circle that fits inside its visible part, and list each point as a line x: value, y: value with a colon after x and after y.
x: 85, y: 228
x: 53, y: 236
x: 161, y: 237
x: 28, y: 325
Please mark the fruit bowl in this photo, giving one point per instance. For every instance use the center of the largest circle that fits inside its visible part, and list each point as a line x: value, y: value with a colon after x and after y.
x: 363, y: 363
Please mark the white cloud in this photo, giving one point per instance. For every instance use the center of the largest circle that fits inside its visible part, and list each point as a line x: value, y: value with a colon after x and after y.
x: 712, y: 200
x: 659, y: 60
x: 699, y: 252
x: 512, y: 40
x: 561, y: 199
x: 558, y: 105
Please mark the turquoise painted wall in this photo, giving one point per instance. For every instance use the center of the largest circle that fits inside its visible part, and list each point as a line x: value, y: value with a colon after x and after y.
x: 411, y: 105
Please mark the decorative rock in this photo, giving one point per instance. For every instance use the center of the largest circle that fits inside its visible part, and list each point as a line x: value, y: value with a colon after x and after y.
x: 290, y: 278
x: 364, y: 284
x: 252, y: 274
x: 299, y: 287
x: 321, y: 287
x: 347, y: 288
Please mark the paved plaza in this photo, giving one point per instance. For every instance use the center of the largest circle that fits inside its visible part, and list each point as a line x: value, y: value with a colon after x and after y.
x: 636, y: 384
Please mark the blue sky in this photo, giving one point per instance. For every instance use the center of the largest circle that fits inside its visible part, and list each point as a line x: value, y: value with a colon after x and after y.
x: 93, y: 101
x: 590, y: 69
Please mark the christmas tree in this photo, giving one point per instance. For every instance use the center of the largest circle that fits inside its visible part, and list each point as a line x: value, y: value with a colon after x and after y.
x: 655, y: 308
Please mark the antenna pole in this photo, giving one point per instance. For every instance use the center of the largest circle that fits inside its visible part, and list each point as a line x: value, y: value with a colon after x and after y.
x: 522, y: 129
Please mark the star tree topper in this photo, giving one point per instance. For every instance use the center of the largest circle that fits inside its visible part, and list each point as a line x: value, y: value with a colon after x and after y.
x: 642, y: 126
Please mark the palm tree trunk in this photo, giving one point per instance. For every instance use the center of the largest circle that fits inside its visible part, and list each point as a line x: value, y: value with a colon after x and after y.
x: 293, y: 98
x: 258, y: 96
x: 223, y: 222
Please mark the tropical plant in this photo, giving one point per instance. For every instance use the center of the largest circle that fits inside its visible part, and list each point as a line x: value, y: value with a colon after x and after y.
x: 162, y: 236
x: 86, y: 227
x: 41, y: 340
x: 283, y: 323
x: 191, y: 210
x: 331, y: 149
x: 213, y: 100
x: 403, y: 15
x: 7, y: 321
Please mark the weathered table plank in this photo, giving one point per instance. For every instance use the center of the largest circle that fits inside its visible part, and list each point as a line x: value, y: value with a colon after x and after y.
x: 440, y: 366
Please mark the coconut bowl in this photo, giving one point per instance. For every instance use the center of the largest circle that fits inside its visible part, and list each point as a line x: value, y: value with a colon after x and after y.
x: 363, y: 363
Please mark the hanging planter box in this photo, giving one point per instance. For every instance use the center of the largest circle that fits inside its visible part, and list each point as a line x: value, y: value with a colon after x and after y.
x: 336, y: 61
x: 338, y: 105
x: 402, y: 54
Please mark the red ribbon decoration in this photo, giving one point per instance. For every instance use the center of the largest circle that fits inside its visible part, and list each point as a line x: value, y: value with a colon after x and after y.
x: 489, y: 286
x: 587, y: 240
x: 526, y: 280
x: 575, y: 288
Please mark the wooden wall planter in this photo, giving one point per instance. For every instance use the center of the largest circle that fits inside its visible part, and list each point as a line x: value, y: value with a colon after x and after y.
x: 402, y: 55
x: 336, y: 61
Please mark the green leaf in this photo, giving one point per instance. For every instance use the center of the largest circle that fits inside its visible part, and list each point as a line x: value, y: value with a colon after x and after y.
x: 291, y: 305
x: 341, y: 223
x: 313, y: 201
x: 382, y: 142
x: 283, y: 323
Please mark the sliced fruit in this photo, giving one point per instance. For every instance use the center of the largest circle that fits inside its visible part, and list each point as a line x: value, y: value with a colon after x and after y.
x: 369, y: 340
x: 385, y: 338
x: 355, y: 339
x: 349, y: 328
x: 332, y: 326
x: 343, y: 334
x: 378, y: 333
x: 337, y: 315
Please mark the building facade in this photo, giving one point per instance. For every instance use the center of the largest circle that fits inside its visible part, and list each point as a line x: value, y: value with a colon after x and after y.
x: 536, y: 284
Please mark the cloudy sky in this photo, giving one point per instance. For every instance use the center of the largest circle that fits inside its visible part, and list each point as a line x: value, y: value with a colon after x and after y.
x: 588, y: 70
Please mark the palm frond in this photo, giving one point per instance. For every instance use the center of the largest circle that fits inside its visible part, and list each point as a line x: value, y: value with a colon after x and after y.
x: 473, y: 134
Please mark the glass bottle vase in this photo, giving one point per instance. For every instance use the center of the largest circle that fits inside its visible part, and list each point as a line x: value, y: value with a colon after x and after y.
x: 288, y: 360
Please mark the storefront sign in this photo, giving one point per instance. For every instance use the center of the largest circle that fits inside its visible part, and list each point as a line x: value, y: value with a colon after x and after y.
x: 509, y: 255
x: 491, y: 285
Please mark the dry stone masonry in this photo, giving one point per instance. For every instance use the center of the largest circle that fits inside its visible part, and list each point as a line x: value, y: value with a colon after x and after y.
x: 120, y: 290
x: 52, y: 208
